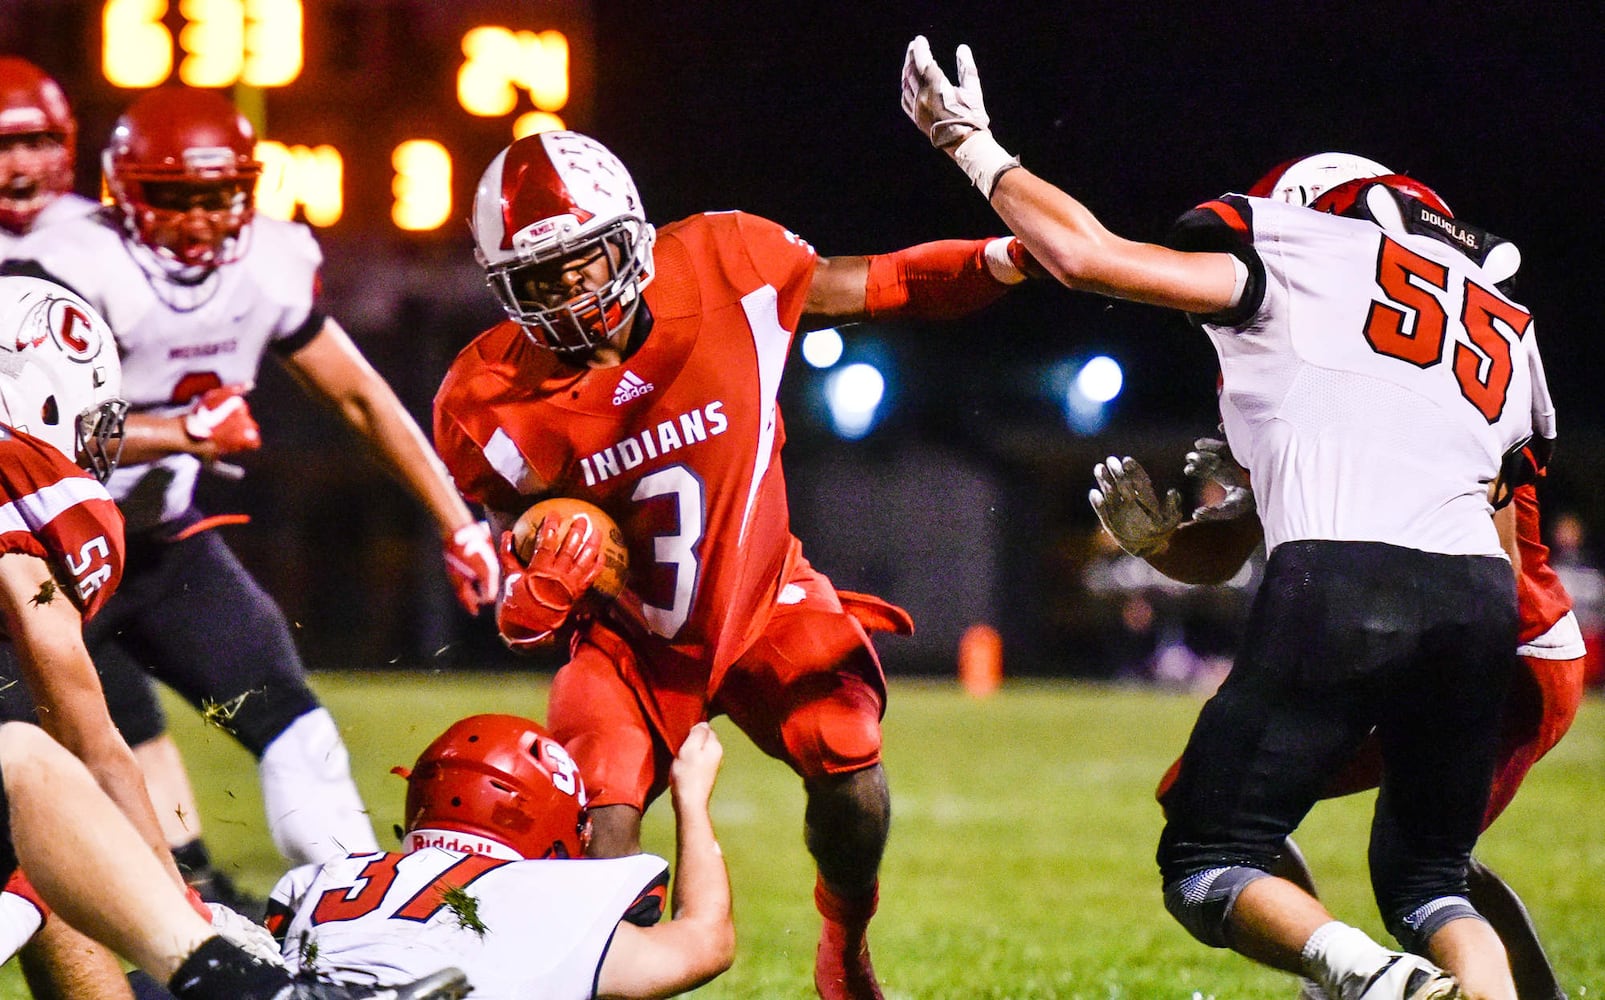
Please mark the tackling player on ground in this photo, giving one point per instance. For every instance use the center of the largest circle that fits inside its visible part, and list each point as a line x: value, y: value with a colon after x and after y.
x: 492, y: 879
x: 1388, y: 602
x: 639, y: 369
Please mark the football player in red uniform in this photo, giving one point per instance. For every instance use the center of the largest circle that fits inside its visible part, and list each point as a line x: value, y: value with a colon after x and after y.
x: 639, y: 369
x: 73, y: 807
x: 1388, y: 603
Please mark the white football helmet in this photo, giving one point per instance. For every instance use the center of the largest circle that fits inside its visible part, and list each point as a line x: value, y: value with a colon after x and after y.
x: 1301, y: 181
x: 558, y: 198
x: 59, y: 373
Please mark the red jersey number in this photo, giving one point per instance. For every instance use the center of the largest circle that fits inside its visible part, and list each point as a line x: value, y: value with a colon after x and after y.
x: 1411, y: 324
x: 378, y: 876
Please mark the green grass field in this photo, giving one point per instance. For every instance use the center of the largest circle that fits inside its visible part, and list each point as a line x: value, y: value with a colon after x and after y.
x: 1021, y: 859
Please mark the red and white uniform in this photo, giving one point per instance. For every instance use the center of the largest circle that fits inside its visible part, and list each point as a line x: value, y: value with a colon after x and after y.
x: 67, y: 206
x: 543, y: 926
x: 177, y: 341
x: 680, y: 444
x: 52, y: 509
x: 1365, y: 338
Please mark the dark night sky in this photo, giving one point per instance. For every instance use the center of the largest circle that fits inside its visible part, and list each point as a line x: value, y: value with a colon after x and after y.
x: 1141, y: 110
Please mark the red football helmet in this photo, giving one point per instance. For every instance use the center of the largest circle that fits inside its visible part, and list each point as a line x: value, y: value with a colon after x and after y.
x: 549, y: 206
x: 1300, y: 181
x: 182, y: 171
x: 1350, y: 197
x: 499, y: 779
x: 38, y: 136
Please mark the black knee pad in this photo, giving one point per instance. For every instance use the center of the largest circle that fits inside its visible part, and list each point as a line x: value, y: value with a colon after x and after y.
x: 257, y: 717
x: 1202, y: 902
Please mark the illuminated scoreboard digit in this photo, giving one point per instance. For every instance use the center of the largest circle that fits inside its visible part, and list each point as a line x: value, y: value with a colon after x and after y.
x: 362, y: 119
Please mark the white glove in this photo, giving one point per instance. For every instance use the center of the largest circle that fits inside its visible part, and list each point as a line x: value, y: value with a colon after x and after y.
x: 1132, y: 513
x: 954, y: 118
x: 250, y: 936
x: 1211, y: 461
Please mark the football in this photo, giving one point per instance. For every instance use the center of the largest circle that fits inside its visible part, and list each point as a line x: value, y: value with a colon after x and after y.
x: 615, y: 556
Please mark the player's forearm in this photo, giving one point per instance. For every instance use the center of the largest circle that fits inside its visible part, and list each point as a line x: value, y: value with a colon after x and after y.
x: 1065, y: 237
x: 397, y: 439
x: 1208, y: 552
x: 147, y: 438
x: 701, y: 881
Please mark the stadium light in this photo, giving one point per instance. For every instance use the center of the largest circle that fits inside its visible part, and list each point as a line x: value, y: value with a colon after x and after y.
x: 854, y: 394
x: 1100, y: 379
x: 1093, y: 386
x: 822, y: 348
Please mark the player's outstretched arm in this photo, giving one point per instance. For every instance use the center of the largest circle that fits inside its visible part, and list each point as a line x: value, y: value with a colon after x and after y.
x: 1059, y: 231
x: 700, y: 942
x: 331, y: 367
x: 943, y: 279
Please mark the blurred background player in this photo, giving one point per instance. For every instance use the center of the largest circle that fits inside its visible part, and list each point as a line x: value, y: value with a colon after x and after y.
x: 76, y: 813
x: 38, y: 139
x: 492, y: 878
x: 639, y: 369
x: 1399, y: 582
x: 197, y: 291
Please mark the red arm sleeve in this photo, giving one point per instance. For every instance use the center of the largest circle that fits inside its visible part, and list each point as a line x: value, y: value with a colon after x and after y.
x: 942, y: 280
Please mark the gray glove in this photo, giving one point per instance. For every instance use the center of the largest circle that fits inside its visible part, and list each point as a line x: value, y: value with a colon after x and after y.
x: 1131, y: 511
x: 1211, y: 461
x: 953, y: 116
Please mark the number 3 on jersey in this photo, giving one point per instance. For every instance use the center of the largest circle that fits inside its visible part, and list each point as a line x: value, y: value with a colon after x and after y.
x: 1412, y: 325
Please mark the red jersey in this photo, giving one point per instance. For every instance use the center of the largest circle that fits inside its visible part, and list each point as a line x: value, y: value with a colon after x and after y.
x: 680, y: 444
x: 52, y: 509
x: 1541, y: 599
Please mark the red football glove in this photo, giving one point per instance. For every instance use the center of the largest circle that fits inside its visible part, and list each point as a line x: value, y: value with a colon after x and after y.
x: 221, y: 417
x: 472, y: 566
x: 538, y: 598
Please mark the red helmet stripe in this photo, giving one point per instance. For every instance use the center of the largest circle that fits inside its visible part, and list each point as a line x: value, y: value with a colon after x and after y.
x: 532, y: 190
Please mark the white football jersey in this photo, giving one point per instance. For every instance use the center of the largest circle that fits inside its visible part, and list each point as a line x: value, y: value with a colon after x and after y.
x: 1373, y: 392
x: 539, y: 928
x: 178, y: 340
x: 68, y: 206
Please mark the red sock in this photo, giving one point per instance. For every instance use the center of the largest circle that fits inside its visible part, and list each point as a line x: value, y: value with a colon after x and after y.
x: 842, y: 969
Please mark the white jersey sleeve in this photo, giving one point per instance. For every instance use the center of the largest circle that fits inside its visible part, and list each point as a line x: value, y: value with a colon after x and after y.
x: 531, y: 930
x: 1376, y: 385
x: 178, y: 339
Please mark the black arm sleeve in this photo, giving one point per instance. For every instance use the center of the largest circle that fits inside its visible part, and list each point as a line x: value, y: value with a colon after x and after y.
x: 1225, y: 225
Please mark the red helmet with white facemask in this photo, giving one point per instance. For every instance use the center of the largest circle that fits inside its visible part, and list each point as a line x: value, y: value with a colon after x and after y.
x: 497, y: 785
x: 182, y: 171
x: 60, y: 378
x: 38, y: 137
x: 548, y: 206
x: 1300, y: 181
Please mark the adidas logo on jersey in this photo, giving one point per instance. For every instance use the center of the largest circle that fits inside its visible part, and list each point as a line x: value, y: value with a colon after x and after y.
x: 630, y: 387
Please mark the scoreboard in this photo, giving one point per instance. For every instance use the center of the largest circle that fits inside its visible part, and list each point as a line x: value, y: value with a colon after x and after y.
x: 371, y: 115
